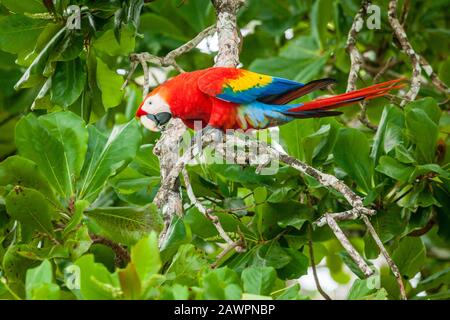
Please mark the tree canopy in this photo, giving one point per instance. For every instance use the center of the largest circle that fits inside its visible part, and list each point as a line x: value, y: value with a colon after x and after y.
x: 78, y: 175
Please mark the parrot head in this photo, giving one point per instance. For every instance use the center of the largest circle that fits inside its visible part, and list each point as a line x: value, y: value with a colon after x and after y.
x: 154, y: 112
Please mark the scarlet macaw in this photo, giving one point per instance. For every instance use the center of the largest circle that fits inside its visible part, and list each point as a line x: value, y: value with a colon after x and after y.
x: 230, y: 98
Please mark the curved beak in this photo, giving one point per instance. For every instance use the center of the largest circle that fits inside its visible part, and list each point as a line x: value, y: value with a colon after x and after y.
x: 150, y: 124
x: 140, y: 112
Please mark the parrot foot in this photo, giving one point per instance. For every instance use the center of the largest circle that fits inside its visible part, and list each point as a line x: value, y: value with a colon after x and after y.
x: 215, y: 135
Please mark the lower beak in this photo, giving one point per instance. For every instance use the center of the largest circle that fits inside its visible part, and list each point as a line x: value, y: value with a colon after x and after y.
x: 149, y: 124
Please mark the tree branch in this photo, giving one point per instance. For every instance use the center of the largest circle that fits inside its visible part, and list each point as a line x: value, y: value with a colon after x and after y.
x: 355, y: 56
x: 386, y: 255
x: 313, y: 266
x: 400, y: 34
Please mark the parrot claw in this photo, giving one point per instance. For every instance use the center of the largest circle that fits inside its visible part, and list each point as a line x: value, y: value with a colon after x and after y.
x: 217, y: 135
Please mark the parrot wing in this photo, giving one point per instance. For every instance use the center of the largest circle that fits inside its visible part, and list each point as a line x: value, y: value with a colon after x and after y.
x: 243, y: 86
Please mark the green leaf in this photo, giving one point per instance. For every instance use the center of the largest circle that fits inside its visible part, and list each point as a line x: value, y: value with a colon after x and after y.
x: 15, y: 266
x: 31, y: 208
x: 291, y: 293
x: 389, y: 131
x: 409, y: 256
x: 321, y: 13
x: 145, y: 257
x: 130, y: 282
x: 366, y: 290
x: 126, y: 224
x: 108, y: 44
x: 297, y: 266
x: 422, y: 119
x: 433, y: 281
x: 75, y: 219
x: 178, y: 234
x: 71, y: 131
x: 155, y: 23
x: 39, y: 283
x: 29, y: 6
x: 351, y: 153
x: 186, y: 265
x: 19, y: 171
x: 109, y: 83
x: 35, y: 142
x: 258, y: 280
x: 293, y: 135
x: 78, y: 242
x: 107, y: 156
x: 96, y: 283
x: 394, y: 169
x: 221, y: 284
x: 18, y: 32
x: 35, y: 71
x: 67, y: 82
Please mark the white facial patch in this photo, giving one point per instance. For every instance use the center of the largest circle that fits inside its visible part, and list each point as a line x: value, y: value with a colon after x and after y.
x: 155, y: 104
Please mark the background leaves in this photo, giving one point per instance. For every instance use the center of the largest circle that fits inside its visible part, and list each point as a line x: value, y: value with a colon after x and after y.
x: 78, y: 174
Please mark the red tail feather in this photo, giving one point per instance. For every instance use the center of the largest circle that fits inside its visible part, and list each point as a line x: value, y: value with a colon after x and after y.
x: 348, y: 98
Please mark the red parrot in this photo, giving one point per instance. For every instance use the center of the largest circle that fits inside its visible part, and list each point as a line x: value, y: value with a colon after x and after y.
x: 230, y: 98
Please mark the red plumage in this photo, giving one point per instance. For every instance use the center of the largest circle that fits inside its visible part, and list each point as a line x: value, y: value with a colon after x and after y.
x: 230, y: 98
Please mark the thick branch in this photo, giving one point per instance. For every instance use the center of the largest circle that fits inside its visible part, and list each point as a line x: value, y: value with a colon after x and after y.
x: 227, y: 32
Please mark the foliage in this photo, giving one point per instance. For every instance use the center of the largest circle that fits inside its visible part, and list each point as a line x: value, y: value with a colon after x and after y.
x: 76, y: 165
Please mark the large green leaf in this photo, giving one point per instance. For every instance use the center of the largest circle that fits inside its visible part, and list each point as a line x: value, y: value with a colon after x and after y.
x: 109, y: 83
x: 39, y: 283
x: 18, y: 32
x: 108, y: 44
x: 186, y: 265
x: 106, y: 156
x: 35, y: 142
x: 145, y: 257
x: 20, y: 171
x: 221, y: 284
x: 409, y: 256
x: 394, y: 169
x: 67, y: 82
x: 321, y: 13
x: 34, y: 73
x: 31, y: 208
x: 29, y: 6
x: 258, y: 280
x: 126, y: 224
x: 96, y: 283
x: 422, y: 119
x: 71, y: 131
x: 389, y: 131
x: 351, y: 153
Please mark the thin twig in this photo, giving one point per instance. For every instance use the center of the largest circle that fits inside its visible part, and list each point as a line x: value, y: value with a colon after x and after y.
x: 207, y: 213
x: 355, y: 56
x: 400, y: 34
x: 438, y: 83
x: 313, y: 266
x: 386, y: 255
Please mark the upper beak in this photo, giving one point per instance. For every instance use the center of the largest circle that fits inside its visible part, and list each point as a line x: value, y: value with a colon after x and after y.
x: 140, y: 112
